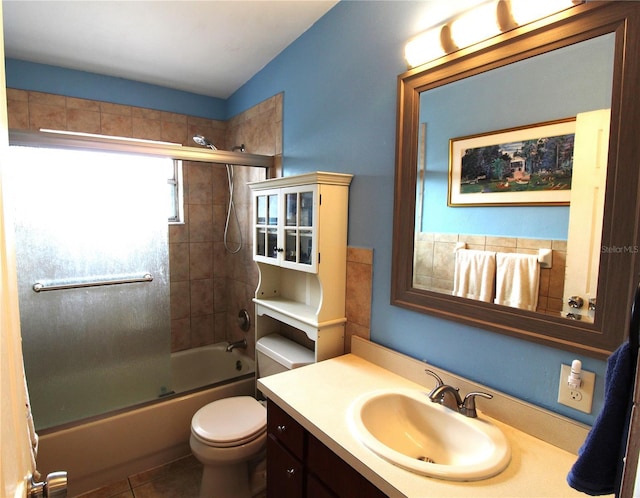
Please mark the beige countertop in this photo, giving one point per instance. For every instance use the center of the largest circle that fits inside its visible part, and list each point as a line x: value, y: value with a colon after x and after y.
x: 318, y: 397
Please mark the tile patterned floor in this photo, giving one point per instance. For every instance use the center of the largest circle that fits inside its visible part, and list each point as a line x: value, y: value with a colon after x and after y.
x: 178, y: 479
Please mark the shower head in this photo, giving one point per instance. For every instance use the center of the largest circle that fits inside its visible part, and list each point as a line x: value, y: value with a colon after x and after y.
x: 200, y: 140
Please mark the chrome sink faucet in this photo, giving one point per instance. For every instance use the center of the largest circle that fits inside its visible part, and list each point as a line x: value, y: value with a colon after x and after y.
x: 449, y: 397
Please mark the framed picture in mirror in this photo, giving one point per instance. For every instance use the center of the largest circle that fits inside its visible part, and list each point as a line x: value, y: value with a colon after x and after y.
x: 528, y: 165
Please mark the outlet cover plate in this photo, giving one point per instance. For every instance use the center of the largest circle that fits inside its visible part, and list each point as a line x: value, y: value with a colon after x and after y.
x: 581, y: 398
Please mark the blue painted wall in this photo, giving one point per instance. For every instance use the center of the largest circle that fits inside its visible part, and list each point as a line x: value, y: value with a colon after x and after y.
x: 339, y: 81
x: 71, y: 83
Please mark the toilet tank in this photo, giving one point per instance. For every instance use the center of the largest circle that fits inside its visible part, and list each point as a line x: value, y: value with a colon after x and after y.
x: 276, y: 354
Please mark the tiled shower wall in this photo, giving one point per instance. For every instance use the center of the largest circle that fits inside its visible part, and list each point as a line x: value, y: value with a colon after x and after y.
x: 435, y: 258
x: 208, y: 285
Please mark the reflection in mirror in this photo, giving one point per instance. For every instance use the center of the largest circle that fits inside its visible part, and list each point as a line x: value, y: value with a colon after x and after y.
x: 579, y: 65
x: 456, y: 245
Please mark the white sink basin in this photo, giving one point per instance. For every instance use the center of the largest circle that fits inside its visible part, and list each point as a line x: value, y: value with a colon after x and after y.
x: 405, y: 428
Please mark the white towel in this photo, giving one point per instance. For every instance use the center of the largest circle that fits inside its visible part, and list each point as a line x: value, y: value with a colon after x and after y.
x: 517, y: 280
x: 33, y: 436
x: 474, y: 274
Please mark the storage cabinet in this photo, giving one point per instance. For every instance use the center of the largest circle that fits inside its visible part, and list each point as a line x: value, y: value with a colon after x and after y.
x: 300, y: 247
x: 285, y: 224
x: 299, y: 465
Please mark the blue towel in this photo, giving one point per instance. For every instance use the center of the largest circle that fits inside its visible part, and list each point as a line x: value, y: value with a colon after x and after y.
x: 596, y: 469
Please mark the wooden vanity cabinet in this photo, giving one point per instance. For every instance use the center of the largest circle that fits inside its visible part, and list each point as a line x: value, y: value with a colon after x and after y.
x: 299, y: 465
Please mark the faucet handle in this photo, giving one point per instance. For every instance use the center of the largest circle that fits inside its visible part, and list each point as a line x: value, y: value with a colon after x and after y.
x: 468, y: 407
x: 437, y: 377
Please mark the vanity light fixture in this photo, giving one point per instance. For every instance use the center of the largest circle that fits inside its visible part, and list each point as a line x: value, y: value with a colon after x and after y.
x: 479, y: 23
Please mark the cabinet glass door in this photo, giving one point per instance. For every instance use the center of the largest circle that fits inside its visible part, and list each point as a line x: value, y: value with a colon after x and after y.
x: 306, y: 209
x: 298, y: 238
x: 267, y: 226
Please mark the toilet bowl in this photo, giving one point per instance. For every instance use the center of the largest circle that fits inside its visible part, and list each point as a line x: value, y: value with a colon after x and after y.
x: 229, y: 436
x: 225, y: 436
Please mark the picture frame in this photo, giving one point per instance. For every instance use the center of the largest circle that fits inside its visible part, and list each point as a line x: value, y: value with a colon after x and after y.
x: 527, y: 165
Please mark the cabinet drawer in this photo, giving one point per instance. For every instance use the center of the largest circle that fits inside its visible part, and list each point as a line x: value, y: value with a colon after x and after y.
x: 285, y: 429
x: 336, y: 474
x: 285, y: 473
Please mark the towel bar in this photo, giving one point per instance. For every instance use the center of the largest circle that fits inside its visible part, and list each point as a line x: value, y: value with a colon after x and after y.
x: 545, y: 256
x: 40, y: 287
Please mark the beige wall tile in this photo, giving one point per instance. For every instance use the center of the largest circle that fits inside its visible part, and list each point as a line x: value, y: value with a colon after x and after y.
x: 172, y: 117
x: 443, y: 260
x: 502, y: 242
x: 201, y: 297
x: 533, y: 244
x: 117, y: 109
x: 116, y: 125
x: 201, y: 223
x: 354, y: 329
x: 360, y: 255
x: 86, y: 105
x: 202, y: 330
x: 18, y: 111
x: 446, y: 237
x: 47, y: 116
x: 180, y: 300
x: 149, y: 114
x: 220, y: 293
x: 200, y: 260
x: 199, y: 188
x: 174, y: 132
x: 47, y: 99
x: 83, y: 120
x: 179, y: 261
x: 222, y: 264
x: 180, y: 334
x: 17, y: 95
x: 148, y: 129
x: 359, y: 282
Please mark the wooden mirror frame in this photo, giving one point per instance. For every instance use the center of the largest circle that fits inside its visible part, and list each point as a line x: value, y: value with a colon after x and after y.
x: 619, y: 270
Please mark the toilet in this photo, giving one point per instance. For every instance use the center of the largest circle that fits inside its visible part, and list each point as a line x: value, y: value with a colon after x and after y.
x: 229, y: 434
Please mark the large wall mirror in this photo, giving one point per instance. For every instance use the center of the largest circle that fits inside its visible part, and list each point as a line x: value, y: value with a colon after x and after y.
x: 522, y: 152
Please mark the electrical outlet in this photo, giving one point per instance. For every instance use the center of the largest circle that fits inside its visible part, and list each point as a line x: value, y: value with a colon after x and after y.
x: 580, y: 398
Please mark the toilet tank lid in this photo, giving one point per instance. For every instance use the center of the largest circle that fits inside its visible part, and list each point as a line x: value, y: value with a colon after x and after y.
x: 286, y: 352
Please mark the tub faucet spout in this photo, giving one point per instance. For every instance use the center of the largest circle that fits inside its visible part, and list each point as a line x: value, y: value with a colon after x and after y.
x: 238, y: 344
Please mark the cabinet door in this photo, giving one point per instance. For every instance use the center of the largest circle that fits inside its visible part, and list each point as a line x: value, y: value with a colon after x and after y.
x: 285, y: 474
x: 299, y: 229
x: 266, y: 205
x: 315, y: 489
x: 335, y: 474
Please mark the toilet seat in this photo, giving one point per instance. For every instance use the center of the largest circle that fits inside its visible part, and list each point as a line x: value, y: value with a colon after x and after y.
x: 229, y: 422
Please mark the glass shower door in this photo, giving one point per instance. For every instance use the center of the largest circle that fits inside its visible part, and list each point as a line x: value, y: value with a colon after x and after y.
x: 86, y: 222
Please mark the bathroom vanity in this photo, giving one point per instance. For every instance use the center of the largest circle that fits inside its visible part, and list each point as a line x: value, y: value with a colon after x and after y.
x: 298, y: 464
x: 313, y: 452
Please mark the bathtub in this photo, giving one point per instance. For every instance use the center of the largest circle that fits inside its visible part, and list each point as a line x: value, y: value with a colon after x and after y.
x: 111, y: 448
x: 194, y: 368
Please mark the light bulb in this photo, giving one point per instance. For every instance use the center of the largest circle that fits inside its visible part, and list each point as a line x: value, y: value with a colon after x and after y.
x: 475, y: 25
x: 526, y: 11
x: 424, y: 48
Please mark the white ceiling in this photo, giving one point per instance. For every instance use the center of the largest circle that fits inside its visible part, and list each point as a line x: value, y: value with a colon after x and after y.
x: 208, y: 47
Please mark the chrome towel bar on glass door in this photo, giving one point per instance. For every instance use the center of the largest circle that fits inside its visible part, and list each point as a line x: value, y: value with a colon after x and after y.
x: 40, y: 287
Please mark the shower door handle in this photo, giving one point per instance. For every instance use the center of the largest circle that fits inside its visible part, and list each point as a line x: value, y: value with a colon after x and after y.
x: 54, y: 486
